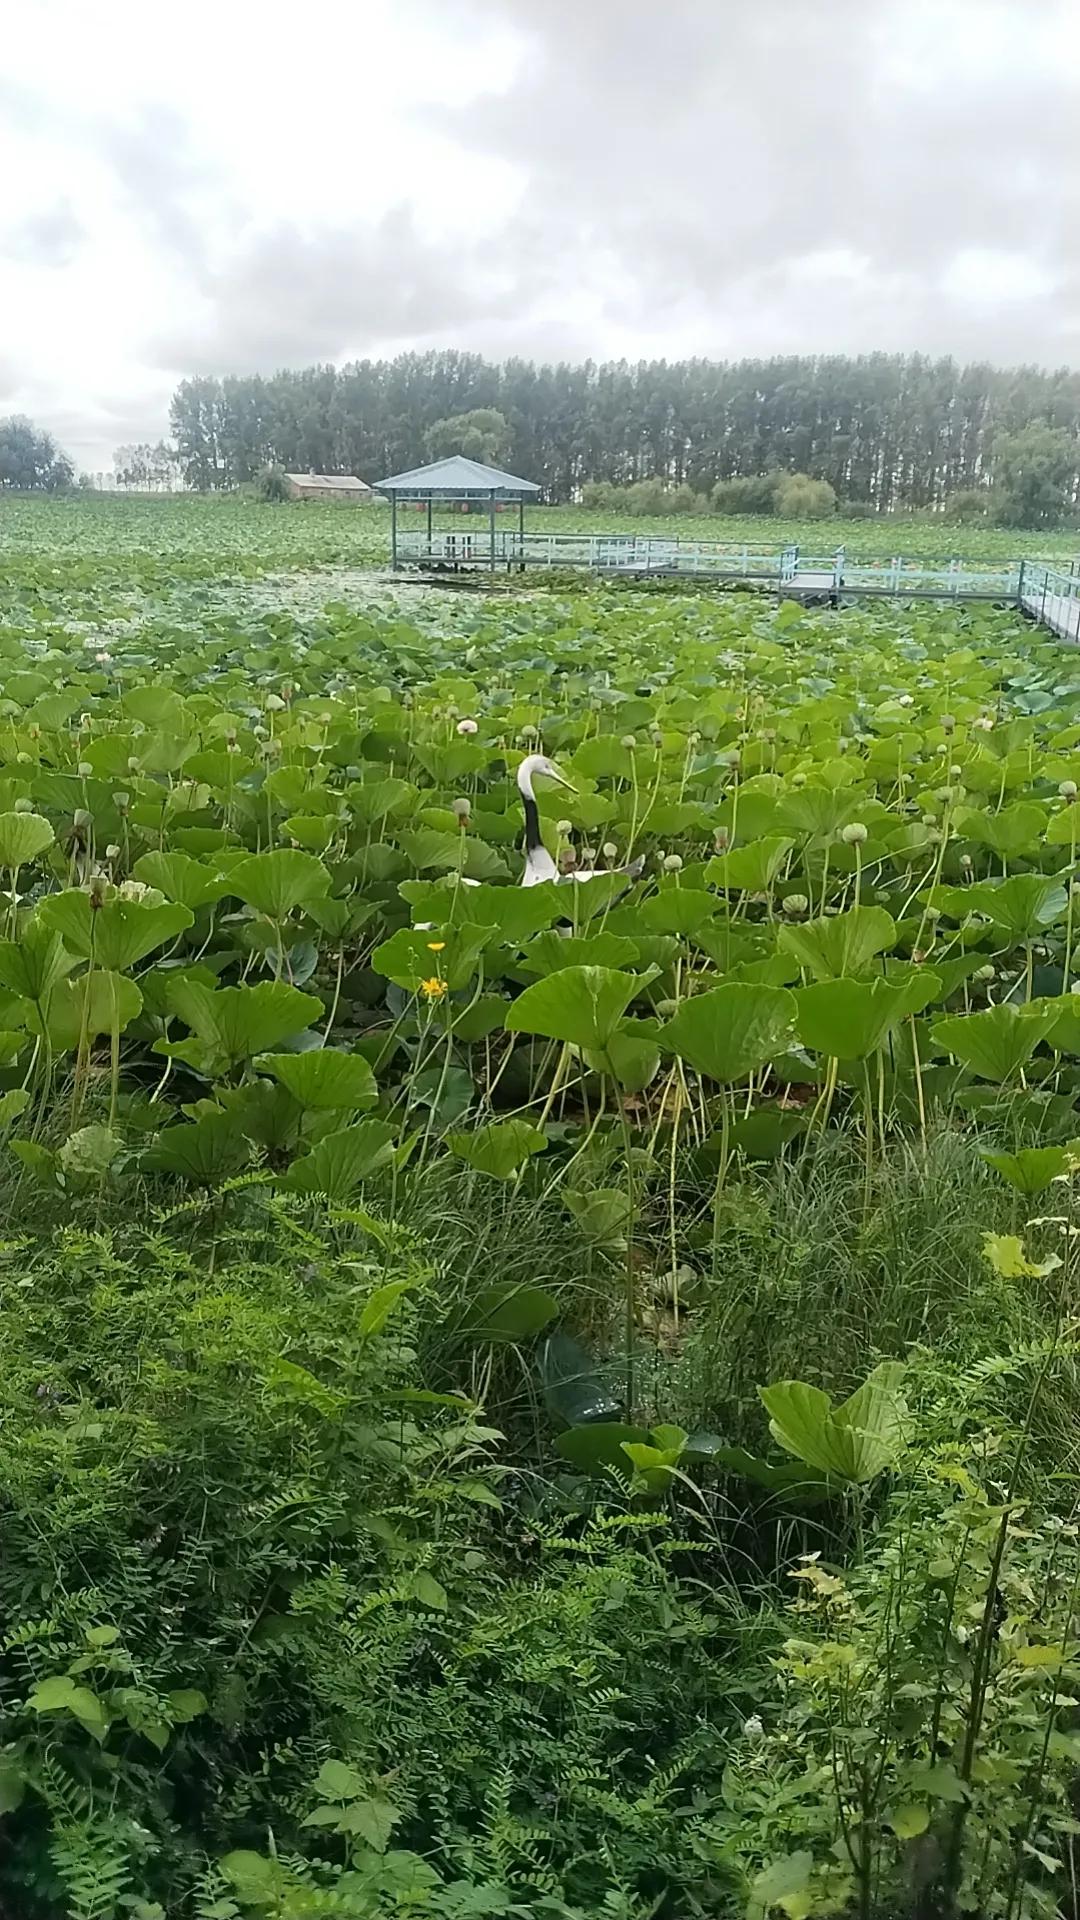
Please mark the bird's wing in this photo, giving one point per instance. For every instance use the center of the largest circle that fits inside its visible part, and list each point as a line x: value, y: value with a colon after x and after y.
x: 539, y: 866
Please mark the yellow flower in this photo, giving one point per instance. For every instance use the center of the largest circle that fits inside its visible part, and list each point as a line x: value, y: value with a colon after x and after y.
x: 436, y: 946
x: 434, y: 988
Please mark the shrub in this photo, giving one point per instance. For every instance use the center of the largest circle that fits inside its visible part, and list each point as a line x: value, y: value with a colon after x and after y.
x: 799, y: 497
x: 272, y: 485
x: 749, y: 493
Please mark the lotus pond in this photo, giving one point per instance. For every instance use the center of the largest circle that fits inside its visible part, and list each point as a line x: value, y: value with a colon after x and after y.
x: 737, y: 1192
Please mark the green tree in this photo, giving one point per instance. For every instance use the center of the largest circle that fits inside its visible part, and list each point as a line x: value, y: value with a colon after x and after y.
x: 482, y: 434
x: 30, y: 460
x: 799, y: 497
x: 1036, y: 473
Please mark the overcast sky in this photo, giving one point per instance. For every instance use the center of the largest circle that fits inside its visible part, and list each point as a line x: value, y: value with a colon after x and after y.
x: 228, y: 186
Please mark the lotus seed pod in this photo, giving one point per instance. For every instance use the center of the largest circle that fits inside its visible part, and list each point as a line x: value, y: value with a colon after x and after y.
x: 666, y: 1008
x: 452, y: 712
x: 956, y: 773
x: 462, y: 808
x: 673, y: 863
x: 734, y: 761
x: 530, y: 733
x: 795, y: 903
x: 933, y: 914
x: 588, y: 854
x: 769, y: 735
x: 966, y: 862
x: 86, y: 771
x: 1067, y: 789
x: 260, y: 733
x: 112, y: 852
x: 948, y: 721
x: 854, y: 834
x: 25, y: 759
x: 721, y: 840
x: 609, y: 850
x: 121, y: 801
x: 843, y: 744
x: 133, y: 763
x: 628, y: 742
x: 567, y: 859
x: 81, y: 818
x: 693, y: 739
x: 274, y: 703
x: 467, y: 726
x: 24, y: 806
x: 929, y: 819
x: 798, y: 779
x: 906, y: 700
x: 985, y: 974
x: 98, y: 884
x: 564, y: 827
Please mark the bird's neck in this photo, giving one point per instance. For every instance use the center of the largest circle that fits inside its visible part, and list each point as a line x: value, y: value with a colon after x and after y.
x: 533, y: 836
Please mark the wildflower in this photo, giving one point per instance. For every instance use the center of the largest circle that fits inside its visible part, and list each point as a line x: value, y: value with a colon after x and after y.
x: 854, y: 834
x: 436, y: 946
x: 467, y: 726
x: 434, y: 988
x: 753, y: 1728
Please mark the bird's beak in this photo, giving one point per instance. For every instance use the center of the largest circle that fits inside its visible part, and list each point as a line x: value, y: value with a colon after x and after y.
x: 562, y: 781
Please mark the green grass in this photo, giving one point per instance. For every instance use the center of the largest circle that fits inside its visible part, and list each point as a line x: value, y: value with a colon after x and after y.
x: 309, y: 1606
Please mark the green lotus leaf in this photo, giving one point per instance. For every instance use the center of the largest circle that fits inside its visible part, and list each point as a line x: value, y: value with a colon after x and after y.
x: 732, y: 1030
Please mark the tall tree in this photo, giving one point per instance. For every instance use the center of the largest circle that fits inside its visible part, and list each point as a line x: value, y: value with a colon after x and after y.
x: 480, y: 434
x: 1035, y: 472
x: 30, y: 460
x: 893, y: 430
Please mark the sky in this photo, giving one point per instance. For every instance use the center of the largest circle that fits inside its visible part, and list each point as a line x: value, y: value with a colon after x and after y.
x: 232, y: 187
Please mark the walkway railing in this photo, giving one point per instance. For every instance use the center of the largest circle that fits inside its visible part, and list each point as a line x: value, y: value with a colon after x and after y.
x: 1050, y: 593
x: 1053, y: 596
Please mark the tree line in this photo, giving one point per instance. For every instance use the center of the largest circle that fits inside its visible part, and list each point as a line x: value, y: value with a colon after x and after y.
x: 889, y: 431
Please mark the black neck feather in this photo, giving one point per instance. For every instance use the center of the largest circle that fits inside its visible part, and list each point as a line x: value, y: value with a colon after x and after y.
x: 533, y: 838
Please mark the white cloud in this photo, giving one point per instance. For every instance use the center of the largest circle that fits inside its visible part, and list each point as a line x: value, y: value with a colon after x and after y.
x: 228, y: 187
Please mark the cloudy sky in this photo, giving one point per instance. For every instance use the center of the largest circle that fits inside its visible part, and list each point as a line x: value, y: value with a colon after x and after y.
x: 231, y: 186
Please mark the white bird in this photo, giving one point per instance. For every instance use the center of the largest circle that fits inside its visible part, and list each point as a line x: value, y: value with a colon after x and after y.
x: 539, y: 865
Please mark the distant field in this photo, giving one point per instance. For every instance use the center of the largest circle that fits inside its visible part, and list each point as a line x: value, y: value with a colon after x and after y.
x: 97, y: 539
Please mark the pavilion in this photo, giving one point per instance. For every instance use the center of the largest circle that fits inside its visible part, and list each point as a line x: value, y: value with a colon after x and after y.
x: 455, y: 482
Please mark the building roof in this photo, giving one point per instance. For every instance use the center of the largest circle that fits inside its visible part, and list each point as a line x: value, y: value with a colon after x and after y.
x: 343, y: 482
x: 458, y: 479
